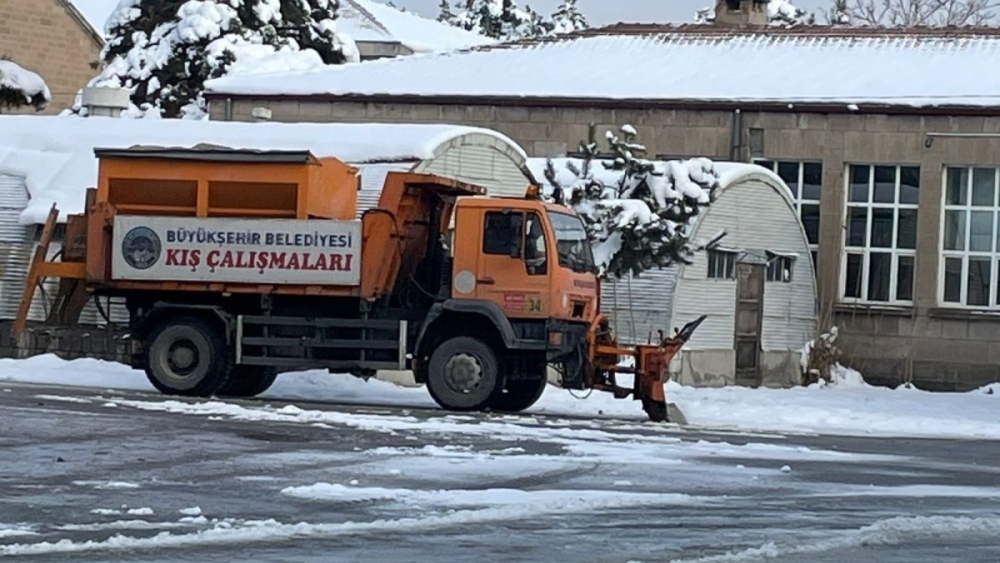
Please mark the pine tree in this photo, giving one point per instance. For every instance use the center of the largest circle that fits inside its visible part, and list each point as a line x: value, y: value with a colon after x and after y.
x: 446, y: 15
x: 163, y: 51
x: 567, y: 18
x: 500, y: 19
x: 641, y: 219
x: 840, y: 13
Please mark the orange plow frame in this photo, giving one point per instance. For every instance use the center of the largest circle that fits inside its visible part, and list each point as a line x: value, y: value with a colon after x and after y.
x: 651, y: 370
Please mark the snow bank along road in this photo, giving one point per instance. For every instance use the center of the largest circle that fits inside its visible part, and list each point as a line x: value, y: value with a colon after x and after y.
x: 91, y: 475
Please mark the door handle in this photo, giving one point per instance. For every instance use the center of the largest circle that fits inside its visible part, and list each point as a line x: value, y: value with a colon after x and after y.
x: 486, y: 281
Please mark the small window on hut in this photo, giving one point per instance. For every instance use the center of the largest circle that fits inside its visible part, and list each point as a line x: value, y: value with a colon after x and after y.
x: 721, y: 265
x: 779, y: 267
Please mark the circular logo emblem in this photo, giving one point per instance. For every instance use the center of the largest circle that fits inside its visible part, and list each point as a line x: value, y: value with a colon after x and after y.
x: 141, y: 248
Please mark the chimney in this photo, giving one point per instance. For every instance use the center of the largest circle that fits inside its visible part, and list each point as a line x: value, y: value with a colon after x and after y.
x: 105, y: 102
x: 741, y: 13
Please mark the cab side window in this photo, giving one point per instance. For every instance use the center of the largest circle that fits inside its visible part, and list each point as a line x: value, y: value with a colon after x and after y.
x: 503, y: 233
x: 535, y: 255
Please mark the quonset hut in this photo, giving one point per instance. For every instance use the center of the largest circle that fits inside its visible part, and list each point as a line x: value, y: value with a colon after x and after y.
x: 757, y: 286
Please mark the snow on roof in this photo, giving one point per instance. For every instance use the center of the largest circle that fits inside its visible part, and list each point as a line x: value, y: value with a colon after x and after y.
x: 23, y: 81
x: 96, y: 12
x: 676, y: 64
x: 55, y: 155
x: 367, y: 20
x: 730, y: 173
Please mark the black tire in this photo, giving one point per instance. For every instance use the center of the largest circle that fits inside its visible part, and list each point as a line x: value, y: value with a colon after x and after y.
x: 248, y: 381
x: 520, y: 395
x: 463, y: 375
x: 186, y: 356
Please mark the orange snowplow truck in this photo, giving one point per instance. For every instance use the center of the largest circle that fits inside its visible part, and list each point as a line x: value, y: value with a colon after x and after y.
x: 238, y: 265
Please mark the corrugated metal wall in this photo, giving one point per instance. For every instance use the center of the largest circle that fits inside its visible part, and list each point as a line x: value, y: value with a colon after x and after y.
x: 17, y: 246
x: 482, y: 165
x: 649, y: 308
x: 372, y: 180
x: 755, y: 216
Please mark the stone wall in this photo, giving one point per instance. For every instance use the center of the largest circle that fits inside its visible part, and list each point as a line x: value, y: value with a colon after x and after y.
x: 44, y: 36
x: 67, y: 342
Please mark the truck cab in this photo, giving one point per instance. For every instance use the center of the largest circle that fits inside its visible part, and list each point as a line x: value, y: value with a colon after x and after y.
x: 523, y: 284
x: 531, y: 259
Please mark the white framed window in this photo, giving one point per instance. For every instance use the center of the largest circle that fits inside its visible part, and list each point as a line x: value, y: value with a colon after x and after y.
x: 969, y: 241
x: 721, y: 264
x: 805, y: 178
x: 779, y: 267
x: 881, y: 235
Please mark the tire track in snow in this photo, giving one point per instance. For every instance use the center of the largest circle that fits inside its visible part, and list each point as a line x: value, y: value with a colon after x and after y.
x: 528, y: 506
x: 887, y: 532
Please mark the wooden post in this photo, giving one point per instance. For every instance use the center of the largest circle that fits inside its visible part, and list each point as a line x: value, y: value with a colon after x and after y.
x: 31, y: 283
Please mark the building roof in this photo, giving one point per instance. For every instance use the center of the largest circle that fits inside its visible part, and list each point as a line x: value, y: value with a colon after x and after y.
x: 55, y: 155
x: 839, y: 68
x: 95, y: 12
x: 367, y: 20
x: 363, y: 20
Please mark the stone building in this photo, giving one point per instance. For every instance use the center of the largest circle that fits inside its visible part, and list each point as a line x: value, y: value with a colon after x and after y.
x: 889, y: 139
x: 53, y: 39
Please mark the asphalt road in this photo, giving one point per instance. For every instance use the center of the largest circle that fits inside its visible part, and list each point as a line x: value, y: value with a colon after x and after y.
x: 413, y: 486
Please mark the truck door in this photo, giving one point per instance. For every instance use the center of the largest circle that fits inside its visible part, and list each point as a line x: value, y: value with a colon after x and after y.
x: 515, y: 263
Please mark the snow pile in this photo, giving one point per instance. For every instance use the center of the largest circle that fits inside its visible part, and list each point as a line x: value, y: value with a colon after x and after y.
x: 367, y: 20
x: 20, y: 87
x: 832, y: 410
x: 55, y: 154
x: 165, y: 59
x: 462, y: 498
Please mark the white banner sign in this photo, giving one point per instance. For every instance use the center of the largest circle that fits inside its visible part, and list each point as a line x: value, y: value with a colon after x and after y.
x: 259, y: 251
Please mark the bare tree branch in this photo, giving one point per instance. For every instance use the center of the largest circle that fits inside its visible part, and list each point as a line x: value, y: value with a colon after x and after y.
x: 911, y: 13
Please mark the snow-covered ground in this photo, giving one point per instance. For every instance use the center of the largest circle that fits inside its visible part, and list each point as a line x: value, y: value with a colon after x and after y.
x: 848, y: 407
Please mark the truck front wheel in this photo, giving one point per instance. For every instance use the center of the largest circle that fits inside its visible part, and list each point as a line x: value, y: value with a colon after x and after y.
x: 520, y: 395
x: 248, y: 381
x: 187, y: 356
x: 463, y: 374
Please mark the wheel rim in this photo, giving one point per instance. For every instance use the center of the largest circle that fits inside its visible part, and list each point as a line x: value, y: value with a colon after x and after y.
x: 463, y: 373
x: 183, y: 358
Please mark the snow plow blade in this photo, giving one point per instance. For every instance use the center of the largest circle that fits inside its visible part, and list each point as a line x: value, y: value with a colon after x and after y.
x: 651, y: 366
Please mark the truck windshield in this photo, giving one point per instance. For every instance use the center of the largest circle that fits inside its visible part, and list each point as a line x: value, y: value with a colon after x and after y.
x: 573, y: 245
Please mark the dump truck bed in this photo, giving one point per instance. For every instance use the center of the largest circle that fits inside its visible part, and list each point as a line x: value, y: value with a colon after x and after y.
x: 241, y: 221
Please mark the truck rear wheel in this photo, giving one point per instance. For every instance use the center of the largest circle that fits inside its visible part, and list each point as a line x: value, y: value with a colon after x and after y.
x: 187, y: 356
x: 248, y: 381
x: 520, y: 395
x: 463, y: 375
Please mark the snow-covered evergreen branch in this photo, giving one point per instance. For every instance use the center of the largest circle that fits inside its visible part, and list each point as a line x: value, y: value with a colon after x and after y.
x: 20, y: 87
x: 163, y: 51
x: 638, y: 212
x: 506, y: 21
